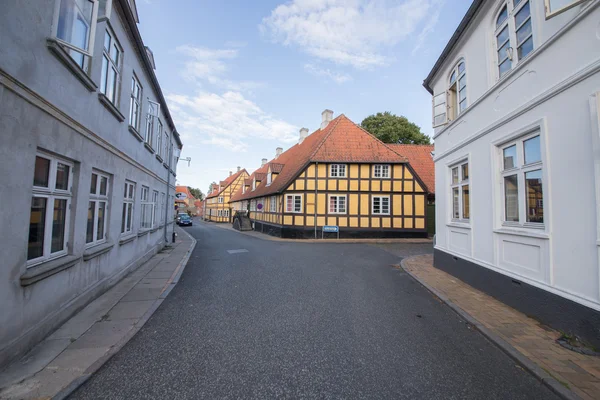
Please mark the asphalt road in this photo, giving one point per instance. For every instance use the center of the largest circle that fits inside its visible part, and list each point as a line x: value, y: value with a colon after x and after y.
x: 304, y: 320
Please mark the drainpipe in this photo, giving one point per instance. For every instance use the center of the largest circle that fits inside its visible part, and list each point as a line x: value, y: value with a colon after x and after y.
x: 167, y: 195
x: 316, y: 193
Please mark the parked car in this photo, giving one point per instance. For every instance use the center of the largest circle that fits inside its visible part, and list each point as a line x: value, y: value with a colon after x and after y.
x: 179, y: 217
x: 185, y: 220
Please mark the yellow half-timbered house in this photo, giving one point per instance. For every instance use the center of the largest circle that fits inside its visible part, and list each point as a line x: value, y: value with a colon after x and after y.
x: 341, y: 176
x: 217, y: 203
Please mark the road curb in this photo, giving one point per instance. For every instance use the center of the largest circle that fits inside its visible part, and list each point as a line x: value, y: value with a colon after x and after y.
x: 87, y: 374
x: 506, y: 347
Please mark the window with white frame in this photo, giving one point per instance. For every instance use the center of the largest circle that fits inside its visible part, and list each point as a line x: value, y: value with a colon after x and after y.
x: 513, y: 26
x: 459, y: 188
x: 135, y: 103
x: 337, y: 170
x: 128, y: 202
x: 273, y: 204
x: 293, y: 203
x: 147, y: 208
x: 227, y: 213
x: 165, y: 150
x: 151, y: 121
x: 337, y: 204
x: 381, y: 205
x: 269, y: 178
x: 522, y: 181
x: 381, y: 171
x: 159, y: 139
x: 555, y: 7
x: 155, y: 208
x: 252, y: 205
x: 50, y: 204
x: 110, y: 80
x: 221, y: 200
x: 97, y: 209
x: 74, y: 28
x: 457, y: 91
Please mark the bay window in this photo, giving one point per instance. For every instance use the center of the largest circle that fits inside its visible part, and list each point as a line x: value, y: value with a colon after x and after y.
x: 97, y: 209
x: 459, y: 187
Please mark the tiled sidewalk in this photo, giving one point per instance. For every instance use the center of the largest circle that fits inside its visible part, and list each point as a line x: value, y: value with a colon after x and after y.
x: 510, y: 328
x: 65, y: 359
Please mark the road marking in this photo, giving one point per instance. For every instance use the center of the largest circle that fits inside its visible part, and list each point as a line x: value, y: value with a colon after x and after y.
x: 237, y: 251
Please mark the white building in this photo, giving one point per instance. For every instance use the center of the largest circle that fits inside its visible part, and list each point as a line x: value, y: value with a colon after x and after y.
x: 516, y: 95
x: 88, y: 160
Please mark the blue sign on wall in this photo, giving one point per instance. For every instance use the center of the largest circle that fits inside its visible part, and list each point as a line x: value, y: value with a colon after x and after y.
x: 331, y: 229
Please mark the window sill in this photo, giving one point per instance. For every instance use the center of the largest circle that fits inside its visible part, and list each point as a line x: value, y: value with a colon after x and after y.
x: 159, y: 158
x: 135, y: 133
x: 111, y: 107
x: 457, y: 224
x: 148, y: 147
x: 165, y: 165
x: 66, y: 59
x: 127, y: 239
x: 42, y: 271
x: 520, y: 232
x: 143, y: 232
x: 97, y: 250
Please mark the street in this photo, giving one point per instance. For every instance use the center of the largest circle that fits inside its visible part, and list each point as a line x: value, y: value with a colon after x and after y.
x: 260, y: 319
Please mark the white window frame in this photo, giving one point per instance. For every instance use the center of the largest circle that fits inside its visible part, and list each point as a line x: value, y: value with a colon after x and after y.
x: 135, y: 103
x: 50, y: 193
x: 512, y: 53
x: 269, y: 179
x: 165, y: 150
x: 439, y: 109
x: 69, y: 47
x: 221, y: 200
x: 128, y: 212
x: 337, y: 208
x: 382, y: 167
x: 554, y: 12
x: 459, y: 186
x: 97, y: 198
x: 151, y: 118
x: 381, y: 208
x: 147, y: 209
x: 337, y: 171
x: 154, y: 208
x: 159, y: 138
x: 294, y: 197
x: 454, y: 90
x: 520, y: 170
x: 273, y: 204
x: 114, y: 65
x: 253, y: 205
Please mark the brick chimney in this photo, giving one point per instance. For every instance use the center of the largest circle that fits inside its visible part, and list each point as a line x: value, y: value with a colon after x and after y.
x: 303, y: 135
x: 264, y: 161
x: 278, y: 151
x: 326, y: 117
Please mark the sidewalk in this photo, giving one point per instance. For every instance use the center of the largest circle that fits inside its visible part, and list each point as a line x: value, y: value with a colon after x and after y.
x: 68, y: 357
x: 533, y: 345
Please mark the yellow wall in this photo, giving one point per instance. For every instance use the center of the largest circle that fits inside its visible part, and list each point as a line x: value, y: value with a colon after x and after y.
x: 214, y: 205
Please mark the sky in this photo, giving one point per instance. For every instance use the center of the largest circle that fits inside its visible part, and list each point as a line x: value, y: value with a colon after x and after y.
x: 242, y: 77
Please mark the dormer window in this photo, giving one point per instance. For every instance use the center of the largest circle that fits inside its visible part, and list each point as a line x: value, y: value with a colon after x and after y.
x: 269, y: 178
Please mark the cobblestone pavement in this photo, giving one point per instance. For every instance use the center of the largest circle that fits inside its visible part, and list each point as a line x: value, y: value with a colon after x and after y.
x: 580, y: 373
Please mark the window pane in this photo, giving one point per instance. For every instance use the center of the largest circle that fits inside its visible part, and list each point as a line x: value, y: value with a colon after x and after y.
x: 505, y: 67
x: 123, y: 217
x: 131, y: 189
x: 455, y: 207
x: 525, y: 48
x: 103, y: 82
x: 510, y: 157
x: 106, y: 40
x: 535, y: 198
x: 461, y: 68
x: 74, y: 20
x: 385, y: 205
x: 37, y: 224
x: 502, y: 52
x: 465, y: 202
x: 522, y: 15
x: 462, y: 82
x: 502, y: 17
x: 103, y: 183
x: 465, y: 171
x: 114, y: 54
x: 523, y: 32
x: 62, y: 176
x: 531, y: 148
x: 42, y: 172
x: 376, y: 205
x: 502, y: 37
x: 129, y: 216
x: 101, y: 216
x: 58, y: 225
x: 454, y: 175
x: 462, y: 95
x: 511, y: 198
x: 463, y: 105
x: 89, y: 232
x: 93, y: 184
x: 453, y: 78
x: 332, y: 204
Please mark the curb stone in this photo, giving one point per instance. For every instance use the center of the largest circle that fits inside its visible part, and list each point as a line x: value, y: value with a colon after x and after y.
x: 506, y: 347
x: 87, y: 374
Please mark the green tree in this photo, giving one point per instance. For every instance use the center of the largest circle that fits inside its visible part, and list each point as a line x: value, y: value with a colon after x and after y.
x: 390, y: 128
x: 197, y: 193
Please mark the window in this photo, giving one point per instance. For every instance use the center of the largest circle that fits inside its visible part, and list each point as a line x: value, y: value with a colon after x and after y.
x: 165, y: 150
x: 252, y: 205
x: 111, y: 68
x: 293, y: 203
x: 269, y: 178
x: 226, y: 213
x: 273, y: 204
x: 147, y: 209
x: 128, y: 200
x: 151, y: 118
x: 381, y: 171
x: 337, y: 204
x: 522, y: 180
x: 75, y: 25
x: 162, y: 209
x: 337, y: 170
x: 49, y: 216
x: 513, y: 25
x: 381, y: 205
x: 135, y: 103
x: 460, y: 192
x: 555, y: 7
x: 97, y: 209
x: 159, y: 138
x: 155, y: 207
x: 457, y: 91
x: 440, y: 112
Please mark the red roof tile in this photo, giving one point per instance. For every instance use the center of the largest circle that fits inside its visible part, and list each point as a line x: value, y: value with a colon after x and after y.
x: 224, y: 184
x: 420, y: 159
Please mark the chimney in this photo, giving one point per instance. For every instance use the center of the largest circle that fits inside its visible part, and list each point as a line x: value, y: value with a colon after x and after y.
x: 264, y: 161
x: 230, y: 173
x: 326, y: 117
x: 303, y: 135
x: 278, y: 151
x: 239, y: 169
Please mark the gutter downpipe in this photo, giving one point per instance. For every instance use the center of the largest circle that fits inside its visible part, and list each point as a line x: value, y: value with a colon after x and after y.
x: 316, y: 193
x: 167, y: 200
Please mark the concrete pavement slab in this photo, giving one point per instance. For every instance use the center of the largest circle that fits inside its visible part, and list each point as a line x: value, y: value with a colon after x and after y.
x: 103, y: 334
x: 130, y: 309
x: 141, y: 293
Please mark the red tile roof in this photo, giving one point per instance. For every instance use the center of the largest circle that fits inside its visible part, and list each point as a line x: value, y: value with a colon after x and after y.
x: 224, y: 184
x: 341, y: 141
x: 420, y: 159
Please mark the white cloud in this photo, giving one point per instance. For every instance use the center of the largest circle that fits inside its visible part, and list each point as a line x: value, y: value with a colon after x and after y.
x: 429, y: 27
x: 327, y: 73
x: 346, y: 32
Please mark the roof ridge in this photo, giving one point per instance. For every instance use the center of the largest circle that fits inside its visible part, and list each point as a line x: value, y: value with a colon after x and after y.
x: 380, y: 141
x: 327, y: 135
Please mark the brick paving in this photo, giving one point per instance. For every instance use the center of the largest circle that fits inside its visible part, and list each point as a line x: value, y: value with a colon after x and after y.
x: 579, y: 373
